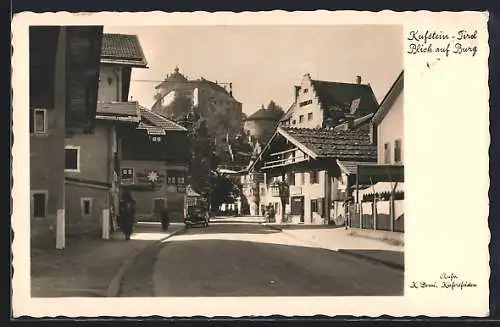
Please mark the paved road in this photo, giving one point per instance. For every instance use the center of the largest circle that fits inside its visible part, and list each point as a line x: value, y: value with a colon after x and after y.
x: 253, y: 260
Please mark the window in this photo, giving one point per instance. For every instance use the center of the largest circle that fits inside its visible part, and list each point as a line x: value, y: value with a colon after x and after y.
x: 39, y: 204
x: 86, y: 206
x: 38, y: 121
x: 309, y: 116
x: 72, y: 157
x: 175, y: 177
x: 314, y: 205
x: 306, y: 90
x: 294, y: 122
x: 397, y: 151
x: 291, y: 178
x: 314, y: 177
x: 387, y: 153
x: 301, y: 118
x: 181, y: 178
x: 302, y: 177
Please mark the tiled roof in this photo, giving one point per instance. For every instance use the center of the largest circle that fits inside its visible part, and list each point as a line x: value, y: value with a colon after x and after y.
x: 122, y: 49
x: 351, y: 166
x: 336, y: 94
x: 352, y: 145
x: 151, y: 118
x: 117, y: 108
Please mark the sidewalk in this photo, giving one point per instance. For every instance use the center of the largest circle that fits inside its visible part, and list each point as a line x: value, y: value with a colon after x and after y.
x: 341, y: 240
x: 89, y: 267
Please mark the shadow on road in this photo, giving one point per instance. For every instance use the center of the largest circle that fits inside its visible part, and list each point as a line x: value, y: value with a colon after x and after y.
x: 232, y: 228
x: 245, y: 268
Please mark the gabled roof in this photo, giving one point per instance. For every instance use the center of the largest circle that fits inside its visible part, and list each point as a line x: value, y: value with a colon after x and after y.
x: 336, y: 94
x: 118, y: 110
x: 351, y: 167
x: 390, y: 97
x: 151, y: 118
x: 351, y: 145
x: 121, y: 49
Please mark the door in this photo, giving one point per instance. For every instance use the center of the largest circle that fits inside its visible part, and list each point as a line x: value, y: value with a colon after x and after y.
x: 297, y: 207
x: 158, y: 204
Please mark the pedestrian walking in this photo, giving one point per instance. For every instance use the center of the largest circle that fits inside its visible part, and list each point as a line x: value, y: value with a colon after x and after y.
x: 127, y: 212
x: 164, y: 218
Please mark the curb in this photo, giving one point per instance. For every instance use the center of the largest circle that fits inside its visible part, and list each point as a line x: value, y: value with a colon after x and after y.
x: 114, y: 286
x: 273, y: 227
x: 369, y: 258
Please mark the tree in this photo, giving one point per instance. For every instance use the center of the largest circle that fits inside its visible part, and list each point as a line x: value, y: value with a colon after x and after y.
x: 225, y: 190
x: 178, y: 108
x: 273, y: 106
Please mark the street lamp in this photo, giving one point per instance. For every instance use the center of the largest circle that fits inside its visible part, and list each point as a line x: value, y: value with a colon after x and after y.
x: 280, y: 189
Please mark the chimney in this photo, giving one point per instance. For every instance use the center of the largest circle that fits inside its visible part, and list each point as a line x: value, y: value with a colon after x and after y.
x: 358, y: 79
x: 231, y: 89
x: 297, y: 90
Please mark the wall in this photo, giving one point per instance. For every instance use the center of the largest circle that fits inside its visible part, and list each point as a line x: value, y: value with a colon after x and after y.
x: 78, y: 224
x: 47, y: 156
x: 109, y: 92
x: 314, y: 107
x: 145, y: 198
x: 390, y: 129
x: 95, y: 165
x: 95, y: 154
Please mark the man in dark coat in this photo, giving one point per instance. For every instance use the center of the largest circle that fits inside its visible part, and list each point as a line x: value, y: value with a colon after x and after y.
x: 127, y: 211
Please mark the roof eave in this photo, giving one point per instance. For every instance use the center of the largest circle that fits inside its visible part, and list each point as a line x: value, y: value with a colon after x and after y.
x: 383, y: 109
x: 125, y: 62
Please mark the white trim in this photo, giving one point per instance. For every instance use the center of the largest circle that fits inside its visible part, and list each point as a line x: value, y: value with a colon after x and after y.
x: 45, y: 124
x: 77, y: 148
x: 118, y: 118
x: 82, y: 206
x: 32, y: 202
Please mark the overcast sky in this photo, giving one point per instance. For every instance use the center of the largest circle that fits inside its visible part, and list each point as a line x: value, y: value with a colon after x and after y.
x: 264, y: 62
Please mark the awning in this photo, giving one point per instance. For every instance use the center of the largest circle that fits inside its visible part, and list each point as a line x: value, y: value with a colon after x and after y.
x: 371, y: 174
x: 382, y: 187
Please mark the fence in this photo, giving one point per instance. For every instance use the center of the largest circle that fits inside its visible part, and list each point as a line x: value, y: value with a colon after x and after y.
x: 379, y: 215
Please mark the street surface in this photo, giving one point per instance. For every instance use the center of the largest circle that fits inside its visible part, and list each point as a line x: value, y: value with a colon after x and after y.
x: 245, y: 259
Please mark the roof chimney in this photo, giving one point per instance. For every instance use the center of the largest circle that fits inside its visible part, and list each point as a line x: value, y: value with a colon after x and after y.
x: 358, y: 79
x: 231, y: 89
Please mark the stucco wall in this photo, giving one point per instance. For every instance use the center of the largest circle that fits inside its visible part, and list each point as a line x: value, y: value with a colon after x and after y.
x: 145, y: 198
x: 110, y: 83
x: 78, y: 224
x: 314, y: 107
x: 95, y: 154
x: 390, y: 129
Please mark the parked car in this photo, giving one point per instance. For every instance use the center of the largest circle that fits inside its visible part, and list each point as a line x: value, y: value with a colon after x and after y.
x: 196, y: 216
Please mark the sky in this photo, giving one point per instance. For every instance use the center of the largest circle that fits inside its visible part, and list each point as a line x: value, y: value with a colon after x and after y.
x: 265, y: 62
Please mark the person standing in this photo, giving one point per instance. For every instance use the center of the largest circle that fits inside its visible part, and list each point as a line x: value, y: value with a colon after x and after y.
x: 164, y: 218
x: 127, y: 212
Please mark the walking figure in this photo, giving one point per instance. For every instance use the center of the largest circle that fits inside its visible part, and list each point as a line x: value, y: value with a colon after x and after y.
x: 127, y: 212
x: 164, y: 218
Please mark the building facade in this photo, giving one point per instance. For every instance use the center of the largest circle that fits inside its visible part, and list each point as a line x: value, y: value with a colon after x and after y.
x: 59, y: 57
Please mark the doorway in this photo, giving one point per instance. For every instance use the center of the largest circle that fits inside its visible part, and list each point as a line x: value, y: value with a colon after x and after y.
x: 297, y: 207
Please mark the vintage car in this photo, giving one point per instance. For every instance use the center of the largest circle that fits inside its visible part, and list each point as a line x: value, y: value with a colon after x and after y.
x: 196, y: 216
